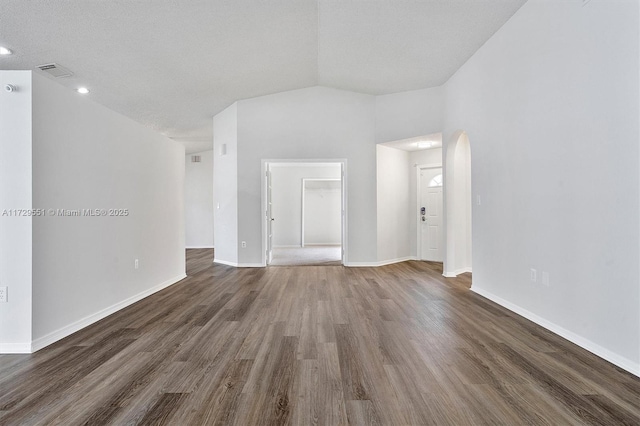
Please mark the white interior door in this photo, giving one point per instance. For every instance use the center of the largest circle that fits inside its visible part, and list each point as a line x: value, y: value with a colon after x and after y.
x: 430, y: 214
x: 269, y: 216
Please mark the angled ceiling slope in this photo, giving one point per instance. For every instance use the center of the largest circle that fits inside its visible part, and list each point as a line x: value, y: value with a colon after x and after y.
x: 172, y: 65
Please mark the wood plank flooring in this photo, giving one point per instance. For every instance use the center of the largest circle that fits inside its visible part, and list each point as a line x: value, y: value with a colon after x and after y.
x: 395, y: 345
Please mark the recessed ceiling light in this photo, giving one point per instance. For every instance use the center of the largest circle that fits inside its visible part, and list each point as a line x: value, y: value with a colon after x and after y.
x: 82, y: 90
x: 424, y: 144
x: 5, y: 51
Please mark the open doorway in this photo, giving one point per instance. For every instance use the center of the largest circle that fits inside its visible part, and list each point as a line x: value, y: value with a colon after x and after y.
x: 458, y: 207
x: 410, y: 179
x: 304, y: 212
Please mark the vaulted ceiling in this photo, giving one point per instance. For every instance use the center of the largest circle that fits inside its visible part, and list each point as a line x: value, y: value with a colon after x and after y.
x: 173, y: 64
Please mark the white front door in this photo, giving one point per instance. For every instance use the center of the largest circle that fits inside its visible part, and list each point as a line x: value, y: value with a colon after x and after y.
x: 430, y: 214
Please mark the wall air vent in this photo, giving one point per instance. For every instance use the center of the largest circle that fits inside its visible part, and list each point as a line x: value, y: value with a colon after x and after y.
x: 195, y: 159
x: 55, y: 70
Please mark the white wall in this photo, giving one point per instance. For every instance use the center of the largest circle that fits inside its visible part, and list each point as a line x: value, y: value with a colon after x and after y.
x: 318, y: 123
x: 88, y: 157
x: 418, y: 158
x: 409, y: 114
x: 15, y: 193
x: 394, y: 216
x: 287, y: 199
x: 225, y: 185
x: 321, y: 123
x: 198, y: 200
x: 431, y: 156
x: 551, y: 110
x: 322, y: 213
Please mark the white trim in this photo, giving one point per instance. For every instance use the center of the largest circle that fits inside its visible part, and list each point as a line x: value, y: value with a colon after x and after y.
x: 397, y: 260
x: 199, y: 247
x: 453, y: 274
x: 379, y: 263
x: 225, y: 262
x: 15, y: 348
x: 334, y: 244
x: 239, y: 265
x: 345, y: 213
x: 302, y: 214
x: 264, y: 171
x: 67, y: 330
x: 265, y: 166
x: 361, y: 264
x: 606, y: 354
x: 291, y: 246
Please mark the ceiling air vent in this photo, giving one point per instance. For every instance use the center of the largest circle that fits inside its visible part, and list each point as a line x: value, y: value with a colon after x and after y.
x: 55, y: 70
x: 195, y: 159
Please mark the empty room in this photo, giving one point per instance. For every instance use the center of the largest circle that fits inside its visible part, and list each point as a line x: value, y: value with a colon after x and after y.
x: 385, y: 212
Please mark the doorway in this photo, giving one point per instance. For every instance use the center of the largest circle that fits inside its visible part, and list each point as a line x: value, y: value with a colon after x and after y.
x: 304, y: 212
x: 459, y: 206
x: 430, y: 198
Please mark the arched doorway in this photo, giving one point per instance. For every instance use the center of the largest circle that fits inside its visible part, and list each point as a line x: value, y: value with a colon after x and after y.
x: 458, y: 205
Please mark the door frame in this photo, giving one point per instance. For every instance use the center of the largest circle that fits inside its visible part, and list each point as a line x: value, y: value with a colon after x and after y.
x: 265, y: 166
x: 419, y: 169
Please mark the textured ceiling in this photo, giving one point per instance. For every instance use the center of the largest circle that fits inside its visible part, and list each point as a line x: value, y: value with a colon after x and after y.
x: 172, y: 65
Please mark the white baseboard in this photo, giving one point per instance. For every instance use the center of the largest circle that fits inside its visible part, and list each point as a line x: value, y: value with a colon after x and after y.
x: 199, y: 247
x: 63, y: 332
x: 15, y: 348
x: 293, y: 246
x: 453, y: 274
x: 322, y: 244
x: 239, y: 265
x: 225, y: 262
x: 612, y: 357
x: 379, y: 263
x: 397, y: 260
x: 361, y: 264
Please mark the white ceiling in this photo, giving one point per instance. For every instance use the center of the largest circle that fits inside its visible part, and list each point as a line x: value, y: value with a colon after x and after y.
x: 172, y: 65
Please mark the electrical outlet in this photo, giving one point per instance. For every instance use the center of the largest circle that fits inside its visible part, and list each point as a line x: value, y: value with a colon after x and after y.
x: 534, y: 275
x: 545, y: 278
x: 3, y: 294
x: 244, y: 244
x: 136, y: 263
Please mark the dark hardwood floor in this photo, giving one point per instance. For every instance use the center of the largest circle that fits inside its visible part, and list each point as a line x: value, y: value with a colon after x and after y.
x: 395, y: 345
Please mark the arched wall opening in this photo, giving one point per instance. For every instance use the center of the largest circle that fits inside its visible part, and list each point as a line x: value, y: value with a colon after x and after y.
x: 458, y: 205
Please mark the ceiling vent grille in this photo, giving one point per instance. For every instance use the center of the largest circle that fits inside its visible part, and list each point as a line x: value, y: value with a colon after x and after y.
x: 55, y: 70
x: 195, y: 159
